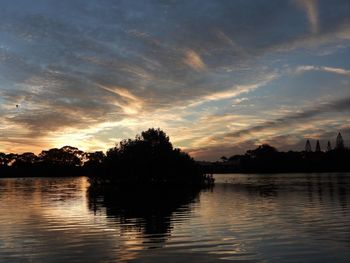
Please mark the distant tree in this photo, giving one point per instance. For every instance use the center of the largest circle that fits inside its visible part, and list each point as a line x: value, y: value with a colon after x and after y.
x: 73, y: 151
x: 308, y: 146
x: 66, y: 156
x: 27, y: 158
x: 264, y: 150
x: 235, y: 158
x: 339, y: 142
x: 95, y: 157
x: 223, y: 158
x: 329, y: 147
x: 10, y: 159
x: 318, y: 147
x: 94, y: 160
x: 3, y: 159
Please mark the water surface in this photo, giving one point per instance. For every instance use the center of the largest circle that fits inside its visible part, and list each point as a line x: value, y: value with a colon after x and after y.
x: 244, y: 218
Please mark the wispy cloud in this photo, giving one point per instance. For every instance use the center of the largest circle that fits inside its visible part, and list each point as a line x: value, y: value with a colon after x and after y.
x: 311, y: 9
x: 90, y: 76
x: 334, y: 106
x: 340, y: 71
x: 240, y: 100
x: 128, y: 102
x: 233, y: 91
x: 194, y: 61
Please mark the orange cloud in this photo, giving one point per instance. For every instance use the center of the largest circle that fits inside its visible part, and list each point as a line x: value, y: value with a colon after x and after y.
x: 194, y: 61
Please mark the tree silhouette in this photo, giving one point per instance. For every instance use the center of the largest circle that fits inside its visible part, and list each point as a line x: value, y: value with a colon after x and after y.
x: 66, y: 156
x: 3, y: 159
x: 9, y: 159
x: 262, y: 150
x: 25, y: 160
x: 308, y: 146
x: 94, y: 158
x: 93, y: 162
x: 149, y: 159
x: 223, y: 158
x: 329, y: 147
x: 339, y: 142
x: 157, y: 139
x: 318, y: 147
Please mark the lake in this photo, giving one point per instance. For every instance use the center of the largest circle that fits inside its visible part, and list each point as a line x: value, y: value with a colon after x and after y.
x: 244, y: 218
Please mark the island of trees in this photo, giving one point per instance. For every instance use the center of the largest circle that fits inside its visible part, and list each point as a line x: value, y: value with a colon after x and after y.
x: 267, y: 159
x: 150, y: 158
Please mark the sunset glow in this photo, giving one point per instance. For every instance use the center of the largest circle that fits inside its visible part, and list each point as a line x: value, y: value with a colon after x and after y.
x: 219, y: 77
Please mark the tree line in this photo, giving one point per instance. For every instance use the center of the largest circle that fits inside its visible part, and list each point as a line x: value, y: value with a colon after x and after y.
x: 267, y: 159
x: 150, y: 158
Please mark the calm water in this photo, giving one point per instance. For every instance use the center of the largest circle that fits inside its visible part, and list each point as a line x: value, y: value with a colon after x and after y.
x: 245, y: 218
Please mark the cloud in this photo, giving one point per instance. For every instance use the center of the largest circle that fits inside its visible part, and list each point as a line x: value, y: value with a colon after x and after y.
x: 311, y: 9
x: 129, y: 102
x: 335, y: 106
x: 194, y: 61
x: 240, y: 100
x: 293, y: 128
x: 284, y: 138
x: 213, y: 153
x: 328, y: 41
x: 108, y: 70
x: 339, y: 71
x: 233, y: 91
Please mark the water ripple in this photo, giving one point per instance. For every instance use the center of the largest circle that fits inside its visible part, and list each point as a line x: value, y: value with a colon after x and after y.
x: 244, y: 218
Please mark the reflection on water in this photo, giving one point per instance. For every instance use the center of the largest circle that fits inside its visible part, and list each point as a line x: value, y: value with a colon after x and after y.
x: 145, y: 213
x: 249, y: 218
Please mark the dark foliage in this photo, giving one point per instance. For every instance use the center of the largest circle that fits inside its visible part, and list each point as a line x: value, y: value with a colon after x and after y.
x: 66, y: 161
x: 148, y: 159
x: 266, y: 159
x: 151, y: 159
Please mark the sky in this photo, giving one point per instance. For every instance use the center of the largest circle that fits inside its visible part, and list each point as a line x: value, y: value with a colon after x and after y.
x: 219, y: 77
